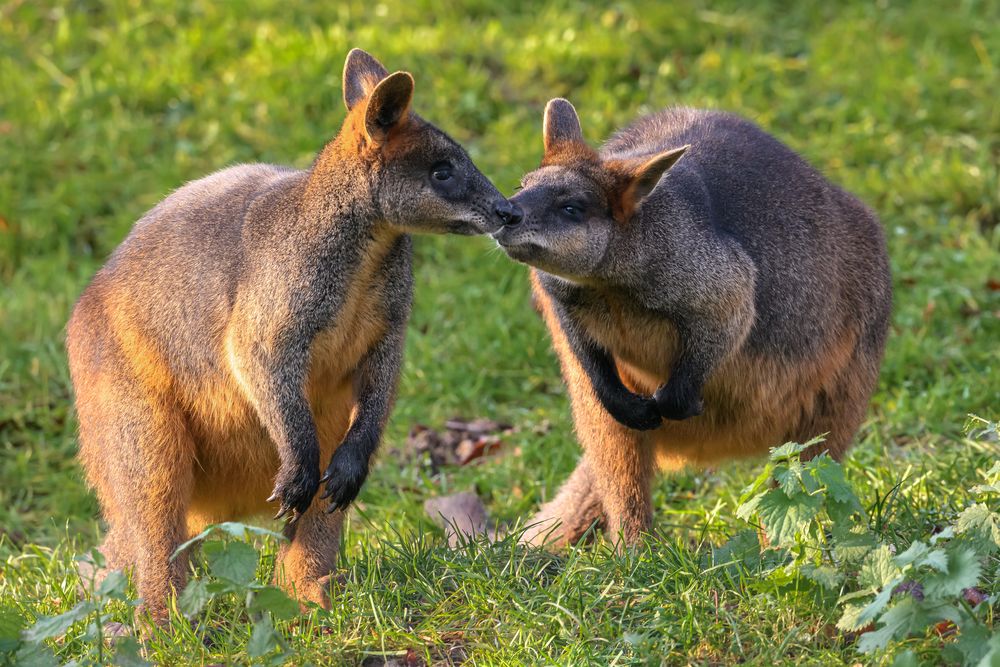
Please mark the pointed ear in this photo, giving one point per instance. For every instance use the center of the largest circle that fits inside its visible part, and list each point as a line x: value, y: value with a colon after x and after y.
x: 361, y: 74
x: 646, y: 175
x: 388, y: 105
x: 561, y: 126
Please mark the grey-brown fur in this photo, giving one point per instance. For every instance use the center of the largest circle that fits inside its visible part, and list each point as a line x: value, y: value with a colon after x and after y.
x: 715, y: 296
x: 249, y: 331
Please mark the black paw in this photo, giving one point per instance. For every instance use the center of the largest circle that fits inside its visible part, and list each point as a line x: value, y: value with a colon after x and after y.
x: 677, y: 403
x: 640, y: 414
x: 295, y: 487
x: 344, y: 478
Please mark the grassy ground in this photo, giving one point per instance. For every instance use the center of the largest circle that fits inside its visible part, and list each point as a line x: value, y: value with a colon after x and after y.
x: 107, y: 106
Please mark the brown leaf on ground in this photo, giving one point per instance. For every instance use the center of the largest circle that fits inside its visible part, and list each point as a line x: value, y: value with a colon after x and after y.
x: 460, y: 443
x: 461, y: 515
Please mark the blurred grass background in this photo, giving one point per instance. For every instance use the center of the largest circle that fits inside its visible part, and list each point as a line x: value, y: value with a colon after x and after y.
x: 105, y: 107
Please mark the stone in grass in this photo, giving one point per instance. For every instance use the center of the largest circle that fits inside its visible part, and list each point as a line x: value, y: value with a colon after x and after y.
x: 462, y: 515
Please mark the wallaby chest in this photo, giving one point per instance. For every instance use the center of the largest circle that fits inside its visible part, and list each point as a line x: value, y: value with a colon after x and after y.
x: 642, y: 342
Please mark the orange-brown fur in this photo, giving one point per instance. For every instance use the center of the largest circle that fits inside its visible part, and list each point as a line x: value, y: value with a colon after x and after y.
x: 249, y: 332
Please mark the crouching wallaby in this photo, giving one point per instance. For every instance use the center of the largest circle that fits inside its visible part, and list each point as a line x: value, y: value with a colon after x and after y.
x: 249, y: 331
x: 709, y: 295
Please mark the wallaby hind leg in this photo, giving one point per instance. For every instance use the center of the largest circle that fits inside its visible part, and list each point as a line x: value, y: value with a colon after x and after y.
x: 564, y: 519
x: 144, y: 495
x: 305, y: 564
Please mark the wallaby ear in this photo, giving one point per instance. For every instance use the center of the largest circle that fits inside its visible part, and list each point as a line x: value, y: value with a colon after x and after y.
x: 361, y: 74
x: 561, y: 126
x: 646, y: 175
x: 388, y: 105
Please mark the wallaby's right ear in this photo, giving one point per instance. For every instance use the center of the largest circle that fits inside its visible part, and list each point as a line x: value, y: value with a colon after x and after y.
x: 561, y: 126
x: 362, y: 74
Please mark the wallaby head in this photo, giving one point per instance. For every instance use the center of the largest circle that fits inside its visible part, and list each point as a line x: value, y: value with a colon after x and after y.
x: 419, y: 179
x: 576, y: 203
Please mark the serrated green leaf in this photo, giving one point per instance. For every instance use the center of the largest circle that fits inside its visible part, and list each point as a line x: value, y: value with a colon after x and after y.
x: 789, y: 477
x: 787, y: 451
x: 963, y: 572
x: 242, y: 530
x: 11, y: 624
x: 980, y: 527
x: 35, y: 655
x: 235, y: 562
x: 193, y: 599
x: 878, y: 569
x: 897, y: 622
x: 824, y: 575
x: 48, y: 627
x: 264, y: 639
x: 128, y: 653
x: 274, y: 600
x: 920, y: 555
x: 852, y: 543
x: 830, y: 475
x: 783, y: 518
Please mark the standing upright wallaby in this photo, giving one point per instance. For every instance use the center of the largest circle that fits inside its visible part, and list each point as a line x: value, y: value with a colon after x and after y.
x: 709, y: 295
x: 250, y: 328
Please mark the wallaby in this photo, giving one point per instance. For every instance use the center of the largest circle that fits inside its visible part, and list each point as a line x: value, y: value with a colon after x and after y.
x: 709, y: 294
x: 250, y: 328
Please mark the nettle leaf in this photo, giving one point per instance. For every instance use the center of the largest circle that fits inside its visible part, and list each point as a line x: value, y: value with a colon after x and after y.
x: 896, y: 623
x: 920, y: 555
x: 783, y: 518
x: 824, y: 575
x: 830, y: 474
x: 878, y: 569
x: 11, y: 624
x: 852, y: 543
x: 48, y: 627
x: 963, y: 572
x: 243, y: 531
x: 789, y: 450
x: 980, y: 527
x: 274, y: 600
x: 128, y: 653
x: 264, y: 639
x: 789, y: 477
x: 235, y: 562
x: 35, y: 655
x: 194, y: 598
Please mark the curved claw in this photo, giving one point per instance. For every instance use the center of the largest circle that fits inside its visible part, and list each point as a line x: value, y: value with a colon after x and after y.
x: 285, y: 509
x: 272, y: 498
x: 326, y: 493
x: 325, y: 477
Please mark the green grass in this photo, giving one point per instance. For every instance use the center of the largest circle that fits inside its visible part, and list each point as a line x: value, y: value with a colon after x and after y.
x: 107, y: 107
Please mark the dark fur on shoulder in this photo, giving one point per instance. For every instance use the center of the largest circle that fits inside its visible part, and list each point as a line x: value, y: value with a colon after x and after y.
x: 709, y: 295
x: 245, y: 339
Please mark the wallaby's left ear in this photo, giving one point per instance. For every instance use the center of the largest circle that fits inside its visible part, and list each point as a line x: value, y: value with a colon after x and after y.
x: 388, y: 105
x: 362, y: 72
x: 646, y: 175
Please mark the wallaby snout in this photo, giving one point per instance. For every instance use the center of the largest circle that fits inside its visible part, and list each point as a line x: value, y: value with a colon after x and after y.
x: 509, y: 213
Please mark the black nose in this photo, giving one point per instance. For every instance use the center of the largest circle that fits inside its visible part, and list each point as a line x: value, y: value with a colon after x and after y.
x: 508, y: 212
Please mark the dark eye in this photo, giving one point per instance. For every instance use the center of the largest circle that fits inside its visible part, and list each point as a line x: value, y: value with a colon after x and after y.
x: 442, y: 172
x: 571, y: 211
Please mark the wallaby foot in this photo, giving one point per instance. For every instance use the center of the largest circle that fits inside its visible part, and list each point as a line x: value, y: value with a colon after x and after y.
x: 306, y: 564
x: 567, y: 517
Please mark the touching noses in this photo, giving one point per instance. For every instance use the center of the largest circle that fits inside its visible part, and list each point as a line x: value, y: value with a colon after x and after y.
x: 508, y: 212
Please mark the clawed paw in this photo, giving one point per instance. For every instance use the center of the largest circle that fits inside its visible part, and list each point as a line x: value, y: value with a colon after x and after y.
x: 344, y: 479
x: 295, y: 490
x: 677, y: 404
